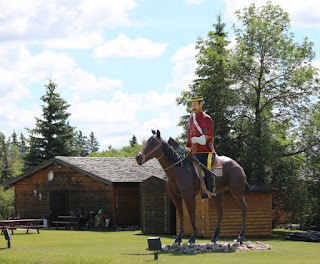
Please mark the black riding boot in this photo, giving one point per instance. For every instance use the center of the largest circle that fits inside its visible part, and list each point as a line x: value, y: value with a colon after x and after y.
x: 209, y: 182
x: 208, y: 179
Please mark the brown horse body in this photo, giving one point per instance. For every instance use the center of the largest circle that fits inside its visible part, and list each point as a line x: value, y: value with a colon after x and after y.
x: 183, y: 183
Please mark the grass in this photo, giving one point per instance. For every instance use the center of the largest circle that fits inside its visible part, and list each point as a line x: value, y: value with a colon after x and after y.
x: 57, y: 246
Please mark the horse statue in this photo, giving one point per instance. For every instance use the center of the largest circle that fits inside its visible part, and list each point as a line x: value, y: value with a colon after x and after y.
x: 183, y: 183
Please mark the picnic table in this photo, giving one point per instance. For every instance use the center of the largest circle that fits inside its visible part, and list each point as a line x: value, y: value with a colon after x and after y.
x: 14, y: 224
x: 66, y: 221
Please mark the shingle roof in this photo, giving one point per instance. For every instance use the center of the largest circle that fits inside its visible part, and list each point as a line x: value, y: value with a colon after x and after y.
x: 116, y: 169
x: 109, y: 170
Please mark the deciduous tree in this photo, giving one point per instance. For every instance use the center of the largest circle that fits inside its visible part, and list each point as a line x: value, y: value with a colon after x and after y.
x: 274, y: 77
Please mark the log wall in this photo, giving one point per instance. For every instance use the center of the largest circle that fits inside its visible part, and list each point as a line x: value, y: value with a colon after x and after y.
x: 258, y: 220
x: 84, y: 194
x: 156, y: 211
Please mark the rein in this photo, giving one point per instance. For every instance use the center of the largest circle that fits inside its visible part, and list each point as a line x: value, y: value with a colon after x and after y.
x: 176, y: 162
x: 162, y: 155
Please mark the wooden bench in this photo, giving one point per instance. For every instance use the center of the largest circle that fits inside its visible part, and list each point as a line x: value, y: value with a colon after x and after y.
x: 8, y: 227
x: 65, y: 223
x: 13, y: 224
x: 37, y: 227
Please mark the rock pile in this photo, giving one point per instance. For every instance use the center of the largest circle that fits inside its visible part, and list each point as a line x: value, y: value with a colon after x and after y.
x: 215, y: 247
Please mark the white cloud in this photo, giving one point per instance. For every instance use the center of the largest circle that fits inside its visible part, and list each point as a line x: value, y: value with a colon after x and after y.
x: 232, y: 44
x: 127, y: 48
x: 39, y: 66
x: 104, y: 13
x: 302, y: 13
x: 128, y: 114
x: 41, y: 19
x: 17, y: 59
x: 86, y: 86
x: 184, y: 68
x: 80, y: 41
x: 316, y: 64
x: 16, y: 117
x: 23, y: 75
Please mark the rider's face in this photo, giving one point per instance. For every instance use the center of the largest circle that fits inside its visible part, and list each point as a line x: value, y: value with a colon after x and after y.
x: 196, y: 107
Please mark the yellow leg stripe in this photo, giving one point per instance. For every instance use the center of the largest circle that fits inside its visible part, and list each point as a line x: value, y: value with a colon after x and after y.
x: 209, y: 160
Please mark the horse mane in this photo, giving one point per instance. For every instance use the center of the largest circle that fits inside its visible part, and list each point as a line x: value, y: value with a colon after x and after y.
x: 171, y: 155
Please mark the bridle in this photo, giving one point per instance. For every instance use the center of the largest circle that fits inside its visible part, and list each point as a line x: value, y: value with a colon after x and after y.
x: 162, y: 155
x: 144, y: 156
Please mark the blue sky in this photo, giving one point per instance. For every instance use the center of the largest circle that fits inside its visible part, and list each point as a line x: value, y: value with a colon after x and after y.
x: 120, y: 64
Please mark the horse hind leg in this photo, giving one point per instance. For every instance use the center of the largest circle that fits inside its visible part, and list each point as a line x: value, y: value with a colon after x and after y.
x: 191, y: 206
x: 243, y: 206
x: 218, y: 200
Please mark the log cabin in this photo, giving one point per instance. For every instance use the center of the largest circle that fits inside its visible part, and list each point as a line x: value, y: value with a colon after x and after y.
x: 63, y: 185
x: 131, y: 195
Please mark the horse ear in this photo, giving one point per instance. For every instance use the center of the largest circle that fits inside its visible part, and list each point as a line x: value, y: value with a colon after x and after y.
x: 153, y: 131
x: 158, y: 133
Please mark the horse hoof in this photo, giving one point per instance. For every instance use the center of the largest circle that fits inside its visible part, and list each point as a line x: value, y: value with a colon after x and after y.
x: 240, y: 240
x: 178, y: 241
x: 214, y: 239
x: 192, y: 241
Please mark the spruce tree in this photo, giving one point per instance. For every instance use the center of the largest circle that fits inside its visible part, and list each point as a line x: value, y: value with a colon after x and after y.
x: 133, y: 141
x: 93, y: 143
x: 22, y: 145
x: 81, y: 145
x: 14, y: 139
x: 52, y: 136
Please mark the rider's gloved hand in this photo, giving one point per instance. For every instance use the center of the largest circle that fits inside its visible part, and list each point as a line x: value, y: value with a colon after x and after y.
x: 200, y: 140
x: 181, y: 150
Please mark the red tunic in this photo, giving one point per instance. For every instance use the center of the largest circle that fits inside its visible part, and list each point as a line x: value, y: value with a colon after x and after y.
x: 206, y: 124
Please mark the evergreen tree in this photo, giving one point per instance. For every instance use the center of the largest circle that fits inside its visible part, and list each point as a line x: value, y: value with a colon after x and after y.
x: 213, y: 83
x: 81, y: 145
x: 93, y: 143
x: 133, y: 141
x: 22, y: 146
x: 14, y: 139
x: 52, y: 136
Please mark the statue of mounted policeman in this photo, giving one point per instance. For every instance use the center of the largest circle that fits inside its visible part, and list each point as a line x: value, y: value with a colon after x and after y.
x: 200, y: 143
x: 197, y: 167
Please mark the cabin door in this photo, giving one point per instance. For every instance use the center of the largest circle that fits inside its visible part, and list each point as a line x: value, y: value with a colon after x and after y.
x: 58, y: 204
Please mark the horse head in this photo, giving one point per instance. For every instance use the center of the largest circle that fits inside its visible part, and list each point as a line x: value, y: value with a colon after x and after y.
x: 152, y: 148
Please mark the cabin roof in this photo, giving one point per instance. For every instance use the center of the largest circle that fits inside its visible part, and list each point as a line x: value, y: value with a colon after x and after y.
x: 109, y: 170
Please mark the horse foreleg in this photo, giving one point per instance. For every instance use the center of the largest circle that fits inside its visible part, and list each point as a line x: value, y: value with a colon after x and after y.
x: 179, y: 207
x: 243, y: 205
x: 218, y: 200
x: 177, y: 201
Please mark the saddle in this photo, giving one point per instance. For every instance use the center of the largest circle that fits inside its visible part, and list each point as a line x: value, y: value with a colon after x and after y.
x: 216, y: 167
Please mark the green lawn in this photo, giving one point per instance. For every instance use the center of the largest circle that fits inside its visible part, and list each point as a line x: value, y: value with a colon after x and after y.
x: 51, y: 246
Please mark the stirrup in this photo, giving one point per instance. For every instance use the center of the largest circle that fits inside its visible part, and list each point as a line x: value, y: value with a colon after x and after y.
x: 209, y: 195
